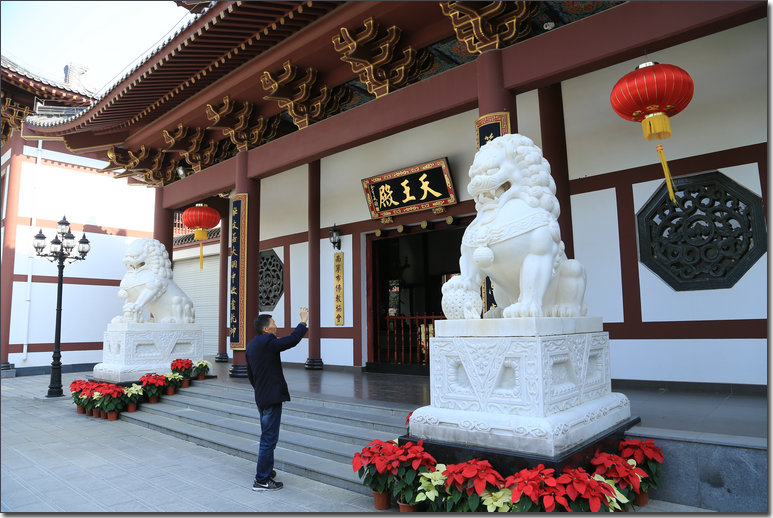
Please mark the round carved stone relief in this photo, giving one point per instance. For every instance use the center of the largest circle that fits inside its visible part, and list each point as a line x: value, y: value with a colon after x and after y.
x: 271, y: 280
x: 710, y: 240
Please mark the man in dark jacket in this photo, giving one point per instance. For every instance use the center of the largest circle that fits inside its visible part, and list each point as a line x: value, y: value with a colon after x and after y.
x: 264, y: 369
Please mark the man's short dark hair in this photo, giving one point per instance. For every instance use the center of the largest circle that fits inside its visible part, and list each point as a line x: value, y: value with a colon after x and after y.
x: 262, y: 322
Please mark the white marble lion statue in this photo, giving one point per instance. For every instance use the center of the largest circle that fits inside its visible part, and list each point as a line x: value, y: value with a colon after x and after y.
x: 514, y: 240
x: 148, y: 285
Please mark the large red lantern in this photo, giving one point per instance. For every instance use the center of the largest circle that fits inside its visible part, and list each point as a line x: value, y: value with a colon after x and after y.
x: 200, y: 218
x: 651, y: 94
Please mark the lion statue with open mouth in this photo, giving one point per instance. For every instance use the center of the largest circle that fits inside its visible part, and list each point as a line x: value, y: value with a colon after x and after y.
x: 515, y: 240
x: 148, y: 285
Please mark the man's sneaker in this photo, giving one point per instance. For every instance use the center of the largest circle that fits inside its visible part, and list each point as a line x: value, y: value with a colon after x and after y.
x: 268, y: 485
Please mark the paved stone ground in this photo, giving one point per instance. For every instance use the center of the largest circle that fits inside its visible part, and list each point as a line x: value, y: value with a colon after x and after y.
x: 55, y: 460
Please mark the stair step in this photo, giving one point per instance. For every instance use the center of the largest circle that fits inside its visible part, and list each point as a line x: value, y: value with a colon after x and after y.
x: 325, y: 470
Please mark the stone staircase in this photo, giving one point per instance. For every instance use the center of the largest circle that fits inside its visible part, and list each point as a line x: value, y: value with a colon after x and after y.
x: 318, y: 436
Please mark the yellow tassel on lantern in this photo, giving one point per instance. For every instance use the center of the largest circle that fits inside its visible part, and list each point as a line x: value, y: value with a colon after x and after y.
x: 656, y: 126
x: 200, y: 234
x: 667, y: 173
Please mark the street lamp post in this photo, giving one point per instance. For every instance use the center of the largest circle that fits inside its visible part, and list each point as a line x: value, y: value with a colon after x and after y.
x: 59, y: 251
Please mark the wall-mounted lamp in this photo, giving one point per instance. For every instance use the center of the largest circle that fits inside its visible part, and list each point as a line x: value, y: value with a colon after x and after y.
x: 335, y: 237
x: 181, y: 172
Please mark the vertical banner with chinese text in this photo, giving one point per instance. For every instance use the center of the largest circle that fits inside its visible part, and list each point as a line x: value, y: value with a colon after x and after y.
x: 338, y: 288
x: 491, y: 126
x: 238, y: 269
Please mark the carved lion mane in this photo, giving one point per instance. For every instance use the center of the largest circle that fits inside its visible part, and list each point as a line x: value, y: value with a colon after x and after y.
x: 515, y: 239
x: 148, y: 284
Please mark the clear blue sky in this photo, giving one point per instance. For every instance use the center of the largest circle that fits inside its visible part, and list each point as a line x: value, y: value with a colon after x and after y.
x: 106, y: 37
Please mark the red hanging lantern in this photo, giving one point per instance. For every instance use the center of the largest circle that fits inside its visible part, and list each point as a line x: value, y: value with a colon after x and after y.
x: 200, y: 218
x: 651, y: 94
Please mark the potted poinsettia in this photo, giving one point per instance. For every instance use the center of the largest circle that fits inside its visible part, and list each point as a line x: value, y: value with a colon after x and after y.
x: 183, y: 367
x: 649, y: 458
x: 432, y: 488
x: 536, y: 489
x: 152, y: 385
x: 586, y: 493
x: 201, y: 368
x: 413, y: 460
x: 497, y: 501
x: 466, y: 482
x: 173, y: 380
x: 377, y: 466
x: 112, y: 400
x: 132, y: 396
x: 76, y: 387
x: 624, y: 473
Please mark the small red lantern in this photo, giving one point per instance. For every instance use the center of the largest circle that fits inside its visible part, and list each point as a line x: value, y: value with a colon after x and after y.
x: 200, y: 218
x: 651, y: 94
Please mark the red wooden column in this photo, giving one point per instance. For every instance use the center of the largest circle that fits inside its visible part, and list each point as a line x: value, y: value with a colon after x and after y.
x: 223, y: 313
x: 163, y: 223
x: 244, y: 185
x: 551, y: 116
x: 492, y: 95
x: 9, y: 246
x: 314, y: 361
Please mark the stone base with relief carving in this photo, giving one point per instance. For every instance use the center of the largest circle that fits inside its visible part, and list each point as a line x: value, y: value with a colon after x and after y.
x: 132, y: 350
x: 536, y: 386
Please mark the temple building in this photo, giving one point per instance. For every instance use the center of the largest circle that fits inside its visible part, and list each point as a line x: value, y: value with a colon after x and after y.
x: 334, y: 141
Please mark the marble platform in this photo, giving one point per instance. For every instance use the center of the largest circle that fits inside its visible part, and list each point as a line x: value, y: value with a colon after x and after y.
x: 536, y: 386
x: 132, y: 350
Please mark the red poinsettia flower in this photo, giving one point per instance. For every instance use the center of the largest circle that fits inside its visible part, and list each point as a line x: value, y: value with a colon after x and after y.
x: 472, y: 475
x: 152, y: 378
x: 408, y: 419
x: 413, y: 455
x: 640, y: 450
x: 181, y: 365
x: 580, y: 485
x: 619, y: 470
x: 539, y: 484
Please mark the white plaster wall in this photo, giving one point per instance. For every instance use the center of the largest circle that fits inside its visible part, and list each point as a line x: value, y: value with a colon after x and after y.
x: 299, y: 287
x: 337, y: 351
x: 700, y: 361
x: 746, y: 299
x: 729, y: 107
x: 283, y: 201
x: 341, y: 193
x: 527, y: 110
x: 597, y: 247
x: 326, y: 283
x: 48, y: 192
x: 102, y: 262
x: 298, y: 354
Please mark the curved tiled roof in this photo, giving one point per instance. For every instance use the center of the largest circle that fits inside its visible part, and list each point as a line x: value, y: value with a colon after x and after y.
x: 14, y: 67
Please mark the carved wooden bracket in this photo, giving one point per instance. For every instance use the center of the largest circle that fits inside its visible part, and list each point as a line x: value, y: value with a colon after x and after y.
x: 305, y: 100
x: 241, y: 124
x: 184, y: 139
x: 12, y: 117
x: 372, y: 55
x: 203, y: 155
x: 154, y: 165
x: 485, y: 26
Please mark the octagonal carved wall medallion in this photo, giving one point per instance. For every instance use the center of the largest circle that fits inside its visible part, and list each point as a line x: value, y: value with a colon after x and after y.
x: 271, y: 280
x: 710, y: 240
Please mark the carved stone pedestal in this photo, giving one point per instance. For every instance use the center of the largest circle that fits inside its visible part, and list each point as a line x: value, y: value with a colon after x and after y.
x: 535, y: 386
x: 132, y: 350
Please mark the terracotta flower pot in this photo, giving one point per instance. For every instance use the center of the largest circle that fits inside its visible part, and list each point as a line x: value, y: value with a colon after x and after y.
x: 112, y: 415
x: 89, y: 411
x: 80, y: 409
x: 96, y: 413
x: 186, y: 383
x: 642, y: 499
x: 153, y: 398
x: 170, y: 390
x: 103, y: 414
x: 201, y: 376
x: 406, y: 508
x: 131, y: 407
x: 381, y: 500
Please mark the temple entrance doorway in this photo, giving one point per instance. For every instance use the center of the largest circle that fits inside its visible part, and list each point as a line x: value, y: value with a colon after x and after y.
x: 407, y: 272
